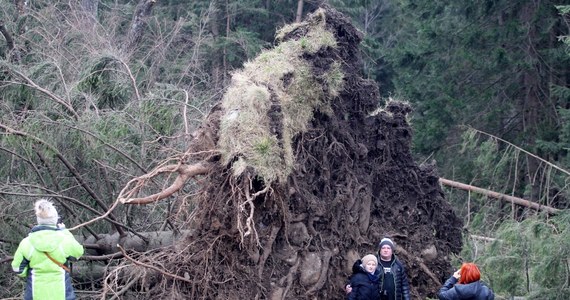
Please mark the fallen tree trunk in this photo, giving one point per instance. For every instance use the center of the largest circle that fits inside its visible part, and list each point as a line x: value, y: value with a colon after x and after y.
x: 107, y: 243
x: 484, y: 238
x: 492, y: 194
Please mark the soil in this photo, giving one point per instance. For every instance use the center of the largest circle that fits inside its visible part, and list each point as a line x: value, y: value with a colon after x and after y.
x: 354, y: 182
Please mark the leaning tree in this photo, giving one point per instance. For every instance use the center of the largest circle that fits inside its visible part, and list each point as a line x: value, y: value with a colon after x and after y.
x: 298, y: 173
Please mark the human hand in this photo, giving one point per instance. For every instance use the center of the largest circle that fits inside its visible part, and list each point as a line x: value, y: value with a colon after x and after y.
x: 61, y: 226
x: 457, y: 274
x: 348, y: 289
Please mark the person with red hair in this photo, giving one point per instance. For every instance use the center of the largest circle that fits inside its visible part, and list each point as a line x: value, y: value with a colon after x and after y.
x: 465, y: 283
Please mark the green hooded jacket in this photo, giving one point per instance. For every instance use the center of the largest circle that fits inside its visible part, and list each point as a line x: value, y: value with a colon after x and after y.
x: 45, y: 279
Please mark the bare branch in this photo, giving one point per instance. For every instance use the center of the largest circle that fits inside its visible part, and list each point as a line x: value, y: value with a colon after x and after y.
x: 69, y: 166
x: 133, y: 80
x: 184, y: 113
x: 52, y: 194
x: 136, y: 262
x: 102, y: 257
x: 521, y: 149
x: 29, y: 82
x: 125, y: 155
x: 6, y: 259
x: 103, y: 216
x: 184, y: 173
x: 25, y: 160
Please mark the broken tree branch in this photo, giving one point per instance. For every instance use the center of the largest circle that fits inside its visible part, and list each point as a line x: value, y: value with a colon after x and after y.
x: 421, y: 263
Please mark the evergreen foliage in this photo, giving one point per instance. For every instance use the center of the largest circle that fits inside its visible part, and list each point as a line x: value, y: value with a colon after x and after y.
x: 530, y: 258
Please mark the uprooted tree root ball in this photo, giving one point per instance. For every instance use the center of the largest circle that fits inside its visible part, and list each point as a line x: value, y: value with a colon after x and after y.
x: 305, y: 175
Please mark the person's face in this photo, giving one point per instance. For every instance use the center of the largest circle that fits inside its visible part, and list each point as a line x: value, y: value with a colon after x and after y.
x: 386, y: 252
x: 370, y: 266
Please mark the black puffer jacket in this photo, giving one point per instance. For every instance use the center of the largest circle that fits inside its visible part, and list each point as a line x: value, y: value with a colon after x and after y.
x: 400, y: 277
x: 472, y: 291
x: 365, y: 286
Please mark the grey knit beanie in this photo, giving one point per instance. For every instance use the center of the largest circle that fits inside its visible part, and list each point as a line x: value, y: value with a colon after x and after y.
x: 386, y: 241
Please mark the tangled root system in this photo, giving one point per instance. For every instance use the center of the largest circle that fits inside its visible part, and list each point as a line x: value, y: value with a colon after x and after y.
x: 353, y: 182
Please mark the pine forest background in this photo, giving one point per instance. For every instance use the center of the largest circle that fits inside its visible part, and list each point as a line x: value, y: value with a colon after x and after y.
x: 95, y: 92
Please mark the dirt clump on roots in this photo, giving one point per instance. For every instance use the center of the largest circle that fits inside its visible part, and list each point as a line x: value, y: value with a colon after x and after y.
x: 309, y: 174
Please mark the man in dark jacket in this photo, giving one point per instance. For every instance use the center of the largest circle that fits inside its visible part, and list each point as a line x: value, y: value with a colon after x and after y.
x: 393, y: 279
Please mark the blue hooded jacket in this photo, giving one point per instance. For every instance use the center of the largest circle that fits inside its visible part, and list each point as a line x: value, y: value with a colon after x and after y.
x: 472, y: 291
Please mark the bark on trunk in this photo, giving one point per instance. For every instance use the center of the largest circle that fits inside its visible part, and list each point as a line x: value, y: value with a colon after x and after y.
x: 7, y: 36
x: 299, y: 16
x: 534, y: 100
x: 107, y: 243
x: 142, y: 12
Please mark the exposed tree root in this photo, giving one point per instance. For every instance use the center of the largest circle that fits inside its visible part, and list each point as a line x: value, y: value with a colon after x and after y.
x: 352, y: 182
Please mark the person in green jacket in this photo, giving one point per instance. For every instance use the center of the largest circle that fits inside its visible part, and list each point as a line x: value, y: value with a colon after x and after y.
x: 42, y: 257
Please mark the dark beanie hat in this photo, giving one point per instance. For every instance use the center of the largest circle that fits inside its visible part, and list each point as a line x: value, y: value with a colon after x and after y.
x: 386, y: 241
